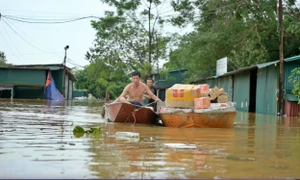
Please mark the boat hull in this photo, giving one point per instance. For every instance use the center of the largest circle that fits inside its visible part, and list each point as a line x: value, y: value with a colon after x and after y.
x: 124, y: 112
x: 221, y: 118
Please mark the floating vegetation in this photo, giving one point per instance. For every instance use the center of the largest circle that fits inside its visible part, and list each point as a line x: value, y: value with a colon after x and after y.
x: 79, y: 131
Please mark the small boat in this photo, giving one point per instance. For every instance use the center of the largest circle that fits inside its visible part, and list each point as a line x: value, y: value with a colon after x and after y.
x: 219, y: 115
x: 125, y: 113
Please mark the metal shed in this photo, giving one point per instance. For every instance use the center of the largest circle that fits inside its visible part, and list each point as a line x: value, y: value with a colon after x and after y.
x: 292, y: 108
x: 28, y: 81
x: 240, y: 85
x: 255, y: 88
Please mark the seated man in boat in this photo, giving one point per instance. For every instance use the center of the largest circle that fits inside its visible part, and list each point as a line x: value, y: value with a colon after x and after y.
x: 149, y: 100
x: 135, y: 91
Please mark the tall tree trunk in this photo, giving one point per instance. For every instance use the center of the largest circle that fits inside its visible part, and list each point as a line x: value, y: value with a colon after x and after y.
x: 280, y: 18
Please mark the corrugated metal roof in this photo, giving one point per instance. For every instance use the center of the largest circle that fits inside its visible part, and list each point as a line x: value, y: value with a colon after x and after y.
x: 238, y: 71
x: 295, y: 58
x: 18, y: 67
x: 51, y: 67
x: 259, y: 66
x: 48, y: 66
x: 291, y: 97
x: 263, y: 65
x: 37, y: 65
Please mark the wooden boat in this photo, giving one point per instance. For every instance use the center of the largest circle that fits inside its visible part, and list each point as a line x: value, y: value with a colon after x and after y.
x: 220, y: 115
x: 124, y: 112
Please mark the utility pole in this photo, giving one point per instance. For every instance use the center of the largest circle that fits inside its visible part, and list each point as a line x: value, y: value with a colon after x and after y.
x: 65, y: 58
x: 158, y: 75
x: 64, y: 66
x: 280, y: 19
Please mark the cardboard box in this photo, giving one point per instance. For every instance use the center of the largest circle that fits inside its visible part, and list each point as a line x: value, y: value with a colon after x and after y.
x: 204, y: 95
x: 202, y: 103
x: 204, y: 89
x: 222, y: 91
x: 214, y: 93
x: 182, y: 95
x: 223, y: 98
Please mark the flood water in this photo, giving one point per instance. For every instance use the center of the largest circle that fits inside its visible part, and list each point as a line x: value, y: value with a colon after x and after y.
x: 37, y: 141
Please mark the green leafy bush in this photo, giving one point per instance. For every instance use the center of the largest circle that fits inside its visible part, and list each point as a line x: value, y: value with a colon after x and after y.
x: 294, y: 78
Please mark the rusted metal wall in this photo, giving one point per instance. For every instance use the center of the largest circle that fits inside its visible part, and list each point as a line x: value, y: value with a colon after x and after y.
x: 292, y: 108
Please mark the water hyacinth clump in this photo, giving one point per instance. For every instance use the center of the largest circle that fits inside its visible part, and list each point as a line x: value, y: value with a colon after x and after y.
x: 79, y: 131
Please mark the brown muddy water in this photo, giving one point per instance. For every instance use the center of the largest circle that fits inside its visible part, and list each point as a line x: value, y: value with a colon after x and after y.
x: 37, y: 141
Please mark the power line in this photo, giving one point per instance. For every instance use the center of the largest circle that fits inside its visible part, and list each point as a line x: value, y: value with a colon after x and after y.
x: 32, y: 54
x: 14, y: 18
x: 11, y: 43
x: 9, y: 46
x: 70, y: 60
x: 24, y: 38
x: 74, y: 63
x: 55, y: 21
x: 47, y: 51
x: 46, y: 21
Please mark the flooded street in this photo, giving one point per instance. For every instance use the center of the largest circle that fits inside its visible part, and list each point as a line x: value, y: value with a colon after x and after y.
x: 37, y: 141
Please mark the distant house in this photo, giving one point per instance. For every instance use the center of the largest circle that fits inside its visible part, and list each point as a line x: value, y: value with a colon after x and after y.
x: 28, y: 81
x: 80, y: 93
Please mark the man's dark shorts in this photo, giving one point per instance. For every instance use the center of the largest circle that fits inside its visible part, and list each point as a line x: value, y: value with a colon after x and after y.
x: 136, y: 103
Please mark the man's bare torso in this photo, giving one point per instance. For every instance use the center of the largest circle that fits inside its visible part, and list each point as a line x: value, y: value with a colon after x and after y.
x: 135, y: 93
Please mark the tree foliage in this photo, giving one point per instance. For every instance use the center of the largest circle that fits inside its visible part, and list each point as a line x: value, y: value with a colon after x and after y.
x: 2, y: 59
x: 244, y: 31
x: 132, y: 35
x: 127, y: 39
x: 132, y: 38
x: 294, y: 78
x: 99, y: 77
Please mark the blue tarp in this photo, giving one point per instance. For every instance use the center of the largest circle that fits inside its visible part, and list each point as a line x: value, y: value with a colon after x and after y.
x: 51, y: 92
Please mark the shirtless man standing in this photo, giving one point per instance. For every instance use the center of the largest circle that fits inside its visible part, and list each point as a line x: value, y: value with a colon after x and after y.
x: 135, y: 91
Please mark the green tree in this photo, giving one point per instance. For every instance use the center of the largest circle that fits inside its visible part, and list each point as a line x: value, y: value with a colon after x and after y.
x: 294, y: 78
x: 100, y: 76
x: 292, y: 29
x: 2, y: 59
x: 244, y: 31
x: 132, y: 35
x: 128, y: 39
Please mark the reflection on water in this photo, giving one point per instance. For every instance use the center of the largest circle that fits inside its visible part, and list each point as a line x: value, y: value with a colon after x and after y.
x: 36, y: 141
